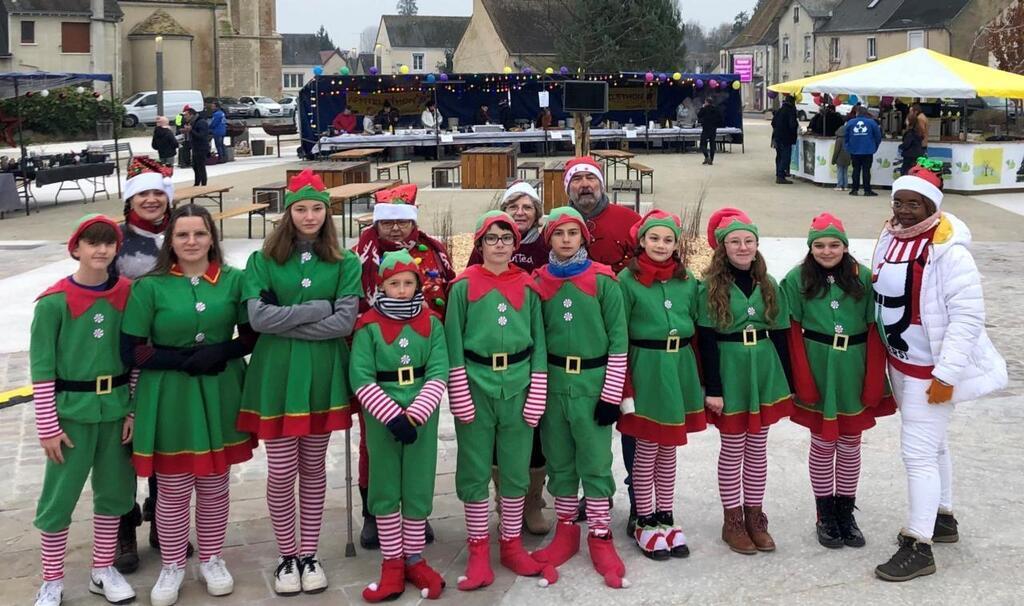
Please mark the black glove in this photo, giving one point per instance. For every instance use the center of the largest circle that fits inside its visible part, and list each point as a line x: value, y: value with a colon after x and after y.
x: 402, y: 429
x: 606, y: 414
x: 269, y: 297
x: 208, y: 360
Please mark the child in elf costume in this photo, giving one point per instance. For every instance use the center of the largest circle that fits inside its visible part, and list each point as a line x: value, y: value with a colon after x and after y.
x: 745, y: 362
x: 838, y: 372
x: 667, y: 402
x: 585, y: 330
x: 303, y: 295
x: 497, y: 391
x: 80, y: 389
x: 398, y: 371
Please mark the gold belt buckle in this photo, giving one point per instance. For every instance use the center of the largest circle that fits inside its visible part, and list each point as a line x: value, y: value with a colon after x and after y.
x: 499, y: 362
x: 749, y: 336
x: 573, y: 365
x: 406, y: 376
x: 672, y: 344
x: 839, y: 342
x: 104, y: 385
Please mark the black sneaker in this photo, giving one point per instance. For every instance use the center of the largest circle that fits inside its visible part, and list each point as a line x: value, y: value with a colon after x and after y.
x: 368, y: 537
x: 126, y: 556
x: 852, y: 536
x: 782, y: 181
x: 870, y: 193
x: 673, y: 534
x: 631, y: 524
x: 853, y: 192
x: 827, y: 527
x: 428, y: 533
x: 913, y: 559
x: 945, y: 529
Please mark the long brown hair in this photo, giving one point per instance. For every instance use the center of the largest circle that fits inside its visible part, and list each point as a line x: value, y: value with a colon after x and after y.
x: 280, y: 245
x: 814, y: 277
x: 167, y: 258
x: 719, y: 279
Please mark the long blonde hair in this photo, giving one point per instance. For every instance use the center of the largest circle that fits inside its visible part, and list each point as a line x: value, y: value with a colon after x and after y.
x: 719, y: 279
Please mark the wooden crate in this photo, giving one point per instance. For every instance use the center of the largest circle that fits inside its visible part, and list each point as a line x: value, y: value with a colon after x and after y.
x: 554, y: 191
x: 488, y: 167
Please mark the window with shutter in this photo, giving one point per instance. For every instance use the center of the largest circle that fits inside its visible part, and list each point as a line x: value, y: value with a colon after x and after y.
x: 74, y: 37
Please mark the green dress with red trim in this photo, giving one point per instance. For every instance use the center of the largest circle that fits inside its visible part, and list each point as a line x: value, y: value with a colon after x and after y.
x: 754, y: 386
x: 668, y: 398
x: 838, y: 359
x: 298, y: 387
x: 184, y: 423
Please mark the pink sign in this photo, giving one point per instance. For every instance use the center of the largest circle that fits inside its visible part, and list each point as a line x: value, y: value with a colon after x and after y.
x: 744, y: 66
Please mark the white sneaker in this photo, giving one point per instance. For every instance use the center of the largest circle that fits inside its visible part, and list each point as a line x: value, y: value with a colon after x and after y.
x: 218, y: 579
x: 165, y: 592
x: 109, y: 583
x: 837, y: 188
x: 313, y: 578
x: 50, y: 593
x: 286, y: 577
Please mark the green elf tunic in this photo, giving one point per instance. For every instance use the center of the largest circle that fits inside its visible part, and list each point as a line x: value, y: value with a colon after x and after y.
x: 754, y: 386
x: 495, y: 334
x: 668, y: 401
x: 76, y: 338
x: 298, y: 387
x: 184, y: 423
x: 400, y: 358
x: 585, y: 325
x: 838, y: 359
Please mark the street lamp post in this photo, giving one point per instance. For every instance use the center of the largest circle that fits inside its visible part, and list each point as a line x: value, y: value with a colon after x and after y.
x: 159, y: 42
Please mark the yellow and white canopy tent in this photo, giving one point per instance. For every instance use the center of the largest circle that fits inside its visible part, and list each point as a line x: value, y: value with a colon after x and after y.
x: 917, y: 73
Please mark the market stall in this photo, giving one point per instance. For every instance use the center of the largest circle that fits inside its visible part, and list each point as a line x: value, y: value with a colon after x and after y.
x: 974, y: 161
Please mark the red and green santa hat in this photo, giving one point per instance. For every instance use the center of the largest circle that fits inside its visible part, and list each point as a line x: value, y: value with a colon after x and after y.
x: 395, y: 262
x: 562, y: 215
x: 144, y: 174
x: 304, y: 186
x: 582, y: 164
x: 656, y: 218
x: 396, y: 204
x: 827, y: 225
x: 726, y: 220
x: 923, y: 179
x: 88, y: 220
x: 491, y: 217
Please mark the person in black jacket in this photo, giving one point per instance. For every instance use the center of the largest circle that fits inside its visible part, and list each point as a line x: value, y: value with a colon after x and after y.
x: 505, y: 114
x: 825, y: 122
x: 164, y: 141
x: 784, y: 133
x: 710, y: 121
x: 199, y: 131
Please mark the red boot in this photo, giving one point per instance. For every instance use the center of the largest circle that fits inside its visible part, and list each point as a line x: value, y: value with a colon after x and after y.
x: 426, y: 579
x: 516, y: 559
x: 392, y: 582
x: 478, y: 568
x: 606, y: 561
x: 565, y: 545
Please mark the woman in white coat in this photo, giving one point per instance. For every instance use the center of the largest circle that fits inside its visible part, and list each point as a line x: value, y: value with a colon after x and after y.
x: 931, y: 312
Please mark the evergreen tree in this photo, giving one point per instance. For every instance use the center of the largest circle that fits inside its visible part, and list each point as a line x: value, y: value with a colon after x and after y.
x: 611, y: 35
x: 325, y: 39
x: 407, y: 7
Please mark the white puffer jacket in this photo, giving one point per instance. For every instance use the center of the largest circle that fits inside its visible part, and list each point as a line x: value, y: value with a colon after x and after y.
x: 953, y: 313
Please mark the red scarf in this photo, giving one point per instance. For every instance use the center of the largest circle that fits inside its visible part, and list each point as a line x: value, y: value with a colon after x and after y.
x: 148, y: 226
x: 649, y: 270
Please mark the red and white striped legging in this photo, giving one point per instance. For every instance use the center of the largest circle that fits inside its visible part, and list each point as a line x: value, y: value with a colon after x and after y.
x: 599, y: 515
x: 304, y: 457
x: 55, y: 545
x: 834, y: 466
x: 654, y: 472
x: 172, y: 515
x: 743, y: 468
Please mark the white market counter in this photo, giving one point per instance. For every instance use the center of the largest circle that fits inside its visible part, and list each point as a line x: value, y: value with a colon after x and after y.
x: 983, y: 166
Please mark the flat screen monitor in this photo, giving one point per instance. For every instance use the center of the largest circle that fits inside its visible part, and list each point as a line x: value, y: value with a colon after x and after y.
x: 585, y: 96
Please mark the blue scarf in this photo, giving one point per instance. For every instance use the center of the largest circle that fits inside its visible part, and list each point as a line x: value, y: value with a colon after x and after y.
x: 573, y: 266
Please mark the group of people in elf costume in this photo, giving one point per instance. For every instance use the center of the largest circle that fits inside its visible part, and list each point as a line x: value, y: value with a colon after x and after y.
x: 553, y: 335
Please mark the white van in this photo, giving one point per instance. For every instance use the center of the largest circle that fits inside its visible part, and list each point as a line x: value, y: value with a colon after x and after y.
x: 140, y: 108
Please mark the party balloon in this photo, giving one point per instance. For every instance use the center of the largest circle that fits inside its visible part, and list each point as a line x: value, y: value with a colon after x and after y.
x: 527, y: 70
x: 403, y: 69
x: 874, y: 100
x: 713, y: 83
x: 507, y: 70
x: 772, y: 94
x: 816, y: 98
x: 344, y: 71
x: 431, y: 78
x: 662, y: 76
x: 444, y: 77
x: 699, y: 83
x: 80, y: 90
x: 374, y: 71
x: 836, y: 101
x: 549, y: 71
x: 563, y: 70
x: 318, y: 70
x: 677, y: 76
x: 853, y: 99
x: 736, y: 85
x: 649, y: 77
x: 44, y: 93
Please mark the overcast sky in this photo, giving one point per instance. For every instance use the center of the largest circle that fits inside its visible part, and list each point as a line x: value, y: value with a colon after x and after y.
x: 346, y: 19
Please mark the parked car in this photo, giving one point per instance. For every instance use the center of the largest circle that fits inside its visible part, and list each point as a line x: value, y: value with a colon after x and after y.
x: 808, y: 109
x: 233, y: 108
x: 289, y: 105
x: 141, y: 107
x: 261, y: 107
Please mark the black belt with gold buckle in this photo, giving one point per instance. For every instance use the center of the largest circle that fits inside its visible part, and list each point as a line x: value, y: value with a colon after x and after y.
x: 405, y: 375
x: 573, y: 365
x: 101, y: 385
x: 747, y: 336
x: 836, y: 340
x: 669, y: 344
x: 498, y: 361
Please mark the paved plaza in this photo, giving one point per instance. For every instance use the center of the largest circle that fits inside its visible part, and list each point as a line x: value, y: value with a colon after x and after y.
x: 986, y: 436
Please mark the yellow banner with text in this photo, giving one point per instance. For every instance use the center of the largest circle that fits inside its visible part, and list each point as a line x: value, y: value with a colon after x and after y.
x: 409, y: 103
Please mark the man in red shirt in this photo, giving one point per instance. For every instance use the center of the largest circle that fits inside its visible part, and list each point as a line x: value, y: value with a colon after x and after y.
x: 345, y: 122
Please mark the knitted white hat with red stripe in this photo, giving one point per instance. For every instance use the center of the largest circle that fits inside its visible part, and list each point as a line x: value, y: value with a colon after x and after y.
x: 582, y: 164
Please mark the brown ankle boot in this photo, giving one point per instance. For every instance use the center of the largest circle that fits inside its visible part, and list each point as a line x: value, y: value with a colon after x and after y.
x: 734, y: 534
x: 756, y: 524
x: 533, y: 516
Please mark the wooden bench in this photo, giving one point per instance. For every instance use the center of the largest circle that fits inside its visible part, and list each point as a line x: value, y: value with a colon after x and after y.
x: 251, y: 209
x: 535, y: 166
x: 446, y: 174
x: 397, y: 167
x: 641, y: 170
x: 364, y: 221
x: 626, y: 185
x: 275, y: 191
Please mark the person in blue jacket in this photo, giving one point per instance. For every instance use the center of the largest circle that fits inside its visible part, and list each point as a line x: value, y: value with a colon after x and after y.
x: 862, y: 139
x: 218, y: 129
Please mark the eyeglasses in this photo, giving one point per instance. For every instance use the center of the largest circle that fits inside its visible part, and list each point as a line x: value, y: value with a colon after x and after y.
x: 393, y: 224
x: 492, y: 239
x: 897, y: 205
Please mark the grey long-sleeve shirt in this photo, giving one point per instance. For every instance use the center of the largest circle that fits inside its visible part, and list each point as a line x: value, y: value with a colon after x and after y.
x: 311, y: 321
